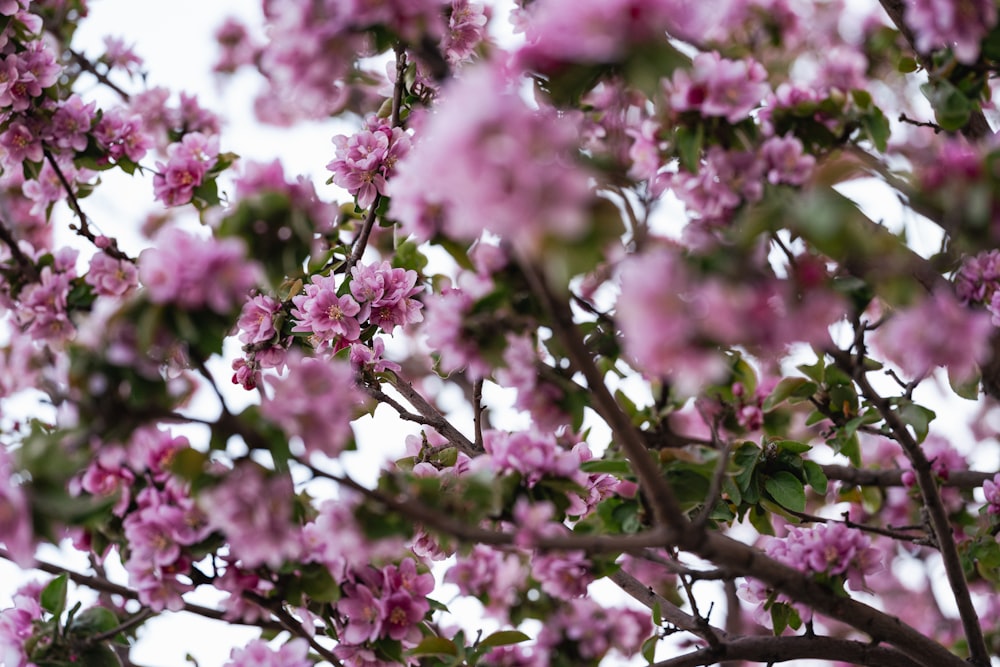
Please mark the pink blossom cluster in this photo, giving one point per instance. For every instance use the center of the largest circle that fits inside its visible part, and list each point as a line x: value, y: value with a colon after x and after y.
x: 379, y: 295
x: 691, y: 315
x: 254, y: 511
x: 717, y: 86
x: 236, y: 46
x: 727, y: 179
x: 366, y: 159
x: 122, y: 134
x: 494, y: 577
x: 593, y: 630
x: 195, y: 273
x: 382, y: 603
x: 977, y: 281
x: 958, y: 340
x: 336, y: 539
x: 162, y: 523
x: 534, y: 394
x: 594, y: 31
x: 827, y: 549
x: 48, y: 187
x: 466, y: 30
x: 42, y: 310
x: 485, y: 149
x: 188, y: 161
x: 110, y: 276
x: 537, y: 455
x: 991, y: 489
x: 315, y: 401
x: 257, y: 653
x: 165, y: 122
x: 17, y: 625
x: 957, y: 24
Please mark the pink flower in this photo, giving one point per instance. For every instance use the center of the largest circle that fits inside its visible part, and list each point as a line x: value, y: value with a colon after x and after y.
x: 991, y: 488
x: 258, y: 654
x: 364, y: 613
x: 195, y: 274
x: 111, y: 277
x: 315, y: 401
x: 254, y: 512
x: 959, y: 338
x: 15, y: 515
x: 719, y: 87
x: 958, y: 24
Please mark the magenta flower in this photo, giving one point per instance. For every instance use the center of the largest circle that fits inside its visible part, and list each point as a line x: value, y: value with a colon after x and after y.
x: 365, y: 614
x: 991, y: 488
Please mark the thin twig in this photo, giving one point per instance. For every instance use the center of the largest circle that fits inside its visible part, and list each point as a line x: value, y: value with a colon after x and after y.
x: 83, y: 228
x: 922, y: 540
x: 90, y: 68
x: 137, y: 619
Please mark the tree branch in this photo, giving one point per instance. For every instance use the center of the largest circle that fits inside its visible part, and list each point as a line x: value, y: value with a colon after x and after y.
x: 960, y: 479
x: 784, y: 649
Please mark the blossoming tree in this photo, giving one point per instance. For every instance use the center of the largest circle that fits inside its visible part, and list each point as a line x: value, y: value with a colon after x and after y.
x: 631, y: 215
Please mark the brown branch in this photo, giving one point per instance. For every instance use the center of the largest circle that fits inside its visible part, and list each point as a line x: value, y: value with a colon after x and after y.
x: 137, y: 619
x: 922, y: 540
x: 960, y: 479
x: 84, y: 63
x: 739, y: 558
x: 435, y: 419
x: 931, y: 497
x: 477, y: 412
x: 783, y: 649
x: 103, y: 585
x: 669, y: 612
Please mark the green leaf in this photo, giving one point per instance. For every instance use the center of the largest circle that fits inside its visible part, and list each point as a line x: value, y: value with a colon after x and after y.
x: 907, y: 64
x: 787, y: 490
x: 793, y: 387
x: 649, y: 649
x: 793, y: 446
x: 876, y: 126
x: 94, y: 620
x: 815, y: 476
x: 689, y: 143
x: 434, y: 646
x: 614, y: 467
x: 53, y: 597
x: 862, y: 98
x: 966, y: 388
x: 657, y: 614
x: 504, y: 638
x: 952, y: 108
x: 318, y: 584
x: 918, y: 418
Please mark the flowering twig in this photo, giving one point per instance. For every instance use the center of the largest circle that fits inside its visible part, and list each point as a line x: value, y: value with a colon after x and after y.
x: 665, y: 506
x: 932, y: 502
x: 361, y: 242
